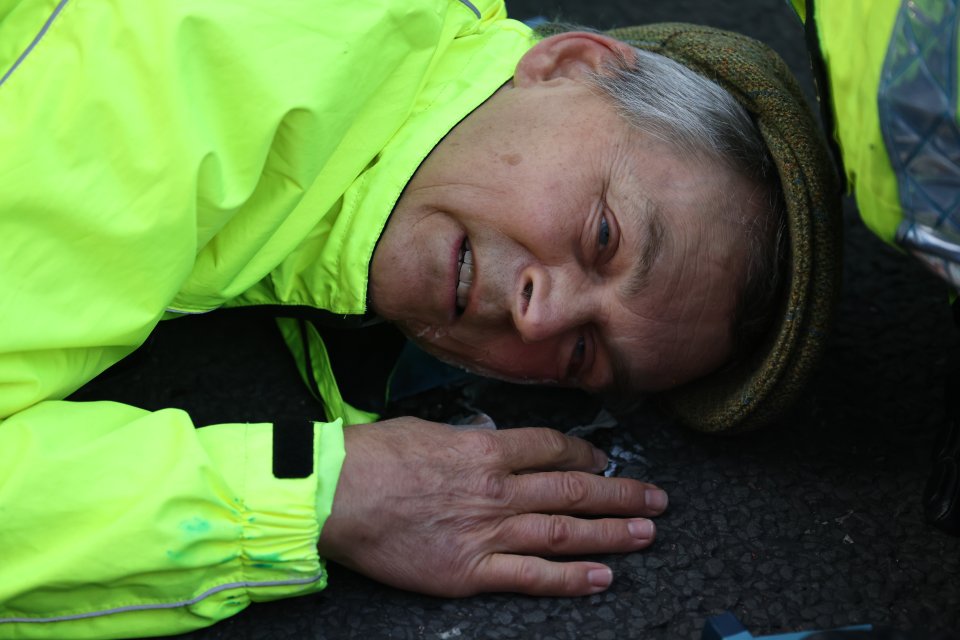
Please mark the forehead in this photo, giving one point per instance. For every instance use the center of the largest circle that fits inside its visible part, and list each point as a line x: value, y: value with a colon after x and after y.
x: 683, y: 264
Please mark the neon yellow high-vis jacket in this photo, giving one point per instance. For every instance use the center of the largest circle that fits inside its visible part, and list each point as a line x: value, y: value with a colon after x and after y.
x: 162, y: 157
x: 890, y: 87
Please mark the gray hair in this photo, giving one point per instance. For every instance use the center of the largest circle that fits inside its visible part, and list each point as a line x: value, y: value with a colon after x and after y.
x: 698, y: 118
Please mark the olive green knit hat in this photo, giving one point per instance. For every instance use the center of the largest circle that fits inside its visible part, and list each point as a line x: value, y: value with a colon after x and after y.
x: 760, y: 387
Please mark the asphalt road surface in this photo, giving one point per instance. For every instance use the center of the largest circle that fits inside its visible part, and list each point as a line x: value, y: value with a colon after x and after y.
x: 813, y: 523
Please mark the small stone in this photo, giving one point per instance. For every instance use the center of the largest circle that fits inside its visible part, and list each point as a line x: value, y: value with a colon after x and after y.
x: 713, y: 567
x: 503, y: 617
x: 534, y: 617
x: 606, y: 613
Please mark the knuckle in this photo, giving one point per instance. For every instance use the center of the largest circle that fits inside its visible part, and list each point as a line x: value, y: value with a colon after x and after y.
x: 494, y: 487
x: 625, y: 494
x: 554, y: 442
x: 558, y: 533
x: 526, y: 576
x: 573, y: 488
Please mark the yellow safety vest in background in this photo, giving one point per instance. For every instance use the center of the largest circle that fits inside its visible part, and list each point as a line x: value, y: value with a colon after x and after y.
x: 891, y: 92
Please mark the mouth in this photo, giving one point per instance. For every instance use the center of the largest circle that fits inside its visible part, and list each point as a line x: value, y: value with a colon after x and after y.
x: 464, y: 277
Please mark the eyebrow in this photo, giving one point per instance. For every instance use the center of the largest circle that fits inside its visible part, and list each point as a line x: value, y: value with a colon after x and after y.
x: 651, y: 246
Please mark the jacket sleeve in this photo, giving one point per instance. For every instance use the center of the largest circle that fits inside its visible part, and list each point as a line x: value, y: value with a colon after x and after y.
x: 127, y: 189
x: 114, y: 521
x: 119, y: 522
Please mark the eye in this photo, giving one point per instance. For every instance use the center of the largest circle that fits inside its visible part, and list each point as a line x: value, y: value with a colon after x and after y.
x: 576, y: 358
x: 579, y: 349
x: 603, y: 234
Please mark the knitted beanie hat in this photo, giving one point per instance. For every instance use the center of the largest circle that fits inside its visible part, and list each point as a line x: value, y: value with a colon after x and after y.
x: 761, y: 386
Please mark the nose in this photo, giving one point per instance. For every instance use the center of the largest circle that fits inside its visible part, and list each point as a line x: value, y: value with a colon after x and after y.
x: 547, y: 304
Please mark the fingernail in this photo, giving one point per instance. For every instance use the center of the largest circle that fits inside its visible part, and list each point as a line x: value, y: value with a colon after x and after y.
x: 600, y: 578
x: 599, y: 460
x: 656, y: 499
x: 640, y: 528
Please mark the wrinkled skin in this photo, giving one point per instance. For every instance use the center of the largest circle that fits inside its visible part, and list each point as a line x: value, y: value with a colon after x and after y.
x: 555, y: 198
x: 429, y: 508
x: 560, y: 199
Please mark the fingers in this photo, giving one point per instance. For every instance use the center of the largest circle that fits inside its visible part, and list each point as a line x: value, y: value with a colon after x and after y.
x: 578, y: 492
x: 534, y: 449
x: 538, y: 577
x: 545, y: 535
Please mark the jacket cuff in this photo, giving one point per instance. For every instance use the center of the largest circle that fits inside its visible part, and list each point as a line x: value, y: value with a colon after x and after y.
x: 284, y: 505
x: 330, y: 454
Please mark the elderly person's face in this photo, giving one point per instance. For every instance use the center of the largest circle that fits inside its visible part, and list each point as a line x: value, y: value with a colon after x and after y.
x: 545, y: 240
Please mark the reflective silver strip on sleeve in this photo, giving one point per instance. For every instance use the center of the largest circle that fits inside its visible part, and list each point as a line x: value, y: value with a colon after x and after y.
x: 917, y: 101
x: 36, y: 40
x: 472, y: 7
x: 169, y: 605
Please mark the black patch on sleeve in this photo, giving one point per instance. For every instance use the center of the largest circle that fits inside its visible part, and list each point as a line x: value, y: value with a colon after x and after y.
x: 292, y: 448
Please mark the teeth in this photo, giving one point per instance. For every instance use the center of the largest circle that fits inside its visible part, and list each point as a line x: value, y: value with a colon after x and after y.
x: 465, y: 277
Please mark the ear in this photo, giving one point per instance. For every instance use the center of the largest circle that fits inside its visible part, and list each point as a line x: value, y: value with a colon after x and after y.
x: 568, y: 55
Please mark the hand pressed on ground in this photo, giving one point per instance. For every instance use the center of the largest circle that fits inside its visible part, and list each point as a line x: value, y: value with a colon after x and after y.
x: 429, y: 508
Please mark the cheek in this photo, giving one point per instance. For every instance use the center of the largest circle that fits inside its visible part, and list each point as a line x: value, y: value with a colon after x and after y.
x: 503, y: 356
x: 535, y: 206
x: 522, y: 362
